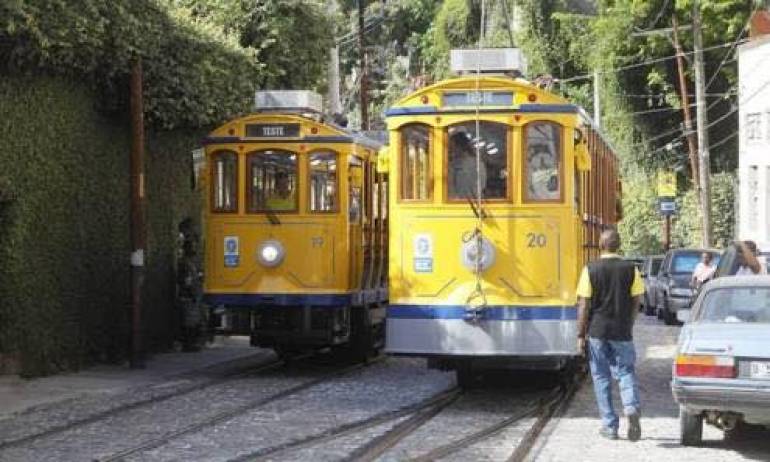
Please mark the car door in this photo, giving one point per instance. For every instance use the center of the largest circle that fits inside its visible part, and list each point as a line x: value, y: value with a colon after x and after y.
x: 661, y: 281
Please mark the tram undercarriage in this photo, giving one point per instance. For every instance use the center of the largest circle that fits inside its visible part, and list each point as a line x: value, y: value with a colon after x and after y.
x: 298, y: 328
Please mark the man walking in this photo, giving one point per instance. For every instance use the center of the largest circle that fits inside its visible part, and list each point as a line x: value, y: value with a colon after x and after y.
x: 609, y: 293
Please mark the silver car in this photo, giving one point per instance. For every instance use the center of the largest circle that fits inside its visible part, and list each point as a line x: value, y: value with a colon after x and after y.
x: 721, y: 373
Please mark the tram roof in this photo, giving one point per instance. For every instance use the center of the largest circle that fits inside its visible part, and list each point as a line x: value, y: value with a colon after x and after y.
x: 327, y: 131
x: 429, y: 99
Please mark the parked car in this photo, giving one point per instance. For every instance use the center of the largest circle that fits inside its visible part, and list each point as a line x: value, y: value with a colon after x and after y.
x: 650, y: 269
x: 673, y: 285
x: 721, y: 373
x: 730, y: 261
x: 637, y: 261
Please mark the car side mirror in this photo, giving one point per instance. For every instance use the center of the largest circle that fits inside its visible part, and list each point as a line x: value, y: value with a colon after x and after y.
x: 683, y: 316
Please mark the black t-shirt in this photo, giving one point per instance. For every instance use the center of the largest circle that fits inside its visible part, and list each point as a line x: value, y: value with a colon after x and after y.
x: 611, y: 314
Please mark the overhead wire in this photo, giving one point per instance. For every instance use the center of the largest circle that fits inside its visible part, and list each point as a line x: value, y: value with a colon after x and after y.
x: 644, y: 63
x: 735, y: 44
x: 715, y: 122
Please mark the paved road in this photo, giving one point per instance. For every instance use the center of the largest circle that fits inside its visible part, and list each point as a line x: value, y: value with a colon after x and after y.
x: 574, y: 437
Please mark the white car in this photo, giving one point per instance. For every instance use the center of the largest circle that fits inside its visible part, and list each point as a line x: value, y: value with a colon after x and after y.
x: 721, y: 373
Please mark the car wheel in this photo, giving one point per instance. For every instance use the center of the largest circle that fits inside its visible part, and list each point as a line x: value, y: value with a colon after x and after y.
x: 690, y: 428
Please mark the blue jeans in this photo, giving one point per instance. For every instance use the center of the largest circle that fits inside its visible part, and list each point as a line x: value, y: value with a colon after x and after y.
x: 613, y: 359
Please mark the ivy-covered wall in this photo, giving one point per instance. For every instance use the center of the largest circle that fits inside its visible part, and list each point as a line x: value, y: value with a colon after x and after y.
x: 64, y: 227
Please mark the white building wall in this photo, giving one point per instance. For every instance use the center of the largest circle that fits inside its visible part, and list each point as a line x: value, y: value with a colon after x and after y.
x: 754, y: 141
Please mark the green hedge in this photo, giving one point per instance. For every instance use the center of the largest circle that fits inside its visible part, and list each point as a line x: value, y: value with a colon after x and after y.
x: 195, y: 73
x: 64, y: 226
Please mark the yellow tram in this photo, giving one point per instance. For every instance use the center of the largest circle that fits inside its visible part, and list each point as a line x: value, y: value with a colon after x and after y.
x: 296, y: 228
x: 500, y: 190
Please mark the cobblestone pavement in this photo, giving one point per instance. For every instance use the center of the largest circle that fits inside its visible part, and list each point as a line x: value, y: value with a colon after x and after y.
x: 574, y: 436
x: 332, y: 402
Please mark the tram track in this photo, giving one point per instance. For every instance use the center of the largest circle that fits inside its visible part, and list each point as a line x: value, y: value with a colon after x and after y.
x: 554, y: 402
x: 231, y: 413
x: 237, y: 373
x: 428, y: 406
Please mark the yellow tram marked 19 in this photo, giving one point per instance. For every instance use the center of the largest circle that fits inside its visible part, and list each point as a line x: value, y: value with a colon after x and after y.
x: 296, y: 227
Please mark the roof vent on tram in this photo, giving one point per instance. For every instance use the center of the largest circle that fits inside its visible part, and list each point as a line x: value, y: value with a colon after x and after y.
x: 299, y: 101
x: 505, y: 61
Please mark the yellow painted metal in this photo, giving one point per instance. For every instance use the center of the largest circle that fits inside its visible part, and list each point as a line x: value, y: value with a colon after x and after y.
x: 539, y: 247
x: 323, y: 250
x: 666, y: 184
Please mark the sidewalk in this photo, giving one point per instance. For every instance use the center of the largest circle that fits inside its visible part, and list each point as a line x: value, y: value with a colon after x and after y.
x: 17, y: 394
x: 575, y: 437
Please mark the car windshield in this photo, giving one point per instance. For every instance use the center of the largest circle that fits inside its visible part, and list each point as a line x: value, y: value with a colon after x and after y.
x: 737, y: 305
x: 685, y: 262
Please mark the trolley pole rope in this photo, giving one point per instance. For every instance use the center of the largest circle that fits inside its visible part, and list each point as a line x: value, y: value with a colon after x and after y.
x: 478, y: 232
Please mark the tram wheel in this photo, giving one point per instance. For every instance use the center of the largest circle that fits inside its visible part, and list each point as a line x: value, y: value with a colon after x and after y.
x: 361, y: 344
x: 466, y: 378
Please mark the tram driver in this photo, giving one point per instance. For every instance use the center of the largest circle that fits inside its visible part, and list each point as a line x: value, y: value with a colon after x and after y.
x: 281, y: 195
x: 462, y: 167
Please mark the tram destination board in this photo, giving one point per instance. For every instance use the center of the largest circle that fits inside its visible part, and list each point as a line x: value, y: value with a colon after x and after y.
x: 472, y: 98
x: 272, y: 130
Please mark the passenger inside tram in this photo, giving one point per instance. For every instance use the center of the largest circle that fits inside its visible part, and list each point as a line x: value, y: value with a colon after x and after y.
x: 493, y: 166
x: 462, y: 175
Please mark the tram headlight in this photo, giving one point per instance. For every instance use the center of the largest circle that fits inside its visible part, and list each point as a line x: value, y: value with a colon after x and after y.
x: 469, y: 254
x: 271, y: 253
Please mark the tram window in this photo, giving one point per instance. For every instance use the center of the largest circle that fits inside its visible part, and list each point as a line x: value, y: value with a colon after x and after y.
x: 225, y: 184
x: 272, y: 181
x: 492, y: 146
x: 416, y: 180
x: 323, y: 181
x: 543, y: 162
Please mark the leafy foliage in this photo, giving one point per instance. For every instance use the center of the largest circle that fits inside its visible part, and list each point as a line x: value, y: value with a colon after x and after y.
x: 202, y: 60
x: 64, y: 233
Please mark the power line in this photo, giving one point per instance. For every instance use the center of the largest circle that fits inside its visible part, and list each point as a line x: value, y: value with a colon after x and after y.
x: 715, y: 122
x: 645, y: 63
x: 724, y: 140
x: 735, y: 43
x: 663, y: 95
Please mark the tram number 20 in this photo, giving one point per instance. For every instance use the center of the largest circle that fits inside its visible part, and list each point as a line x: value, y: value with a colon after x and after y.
x: 536, y: 240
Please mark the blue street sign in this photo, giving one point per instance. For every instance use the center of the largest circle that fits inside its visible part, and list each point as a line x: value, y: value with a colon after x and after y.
x: 667, y: 206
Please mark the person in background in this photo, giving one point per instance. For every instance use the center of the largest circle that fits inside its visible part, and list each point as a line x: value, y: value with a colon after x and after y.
x: 462, y: 168
x: 609, y: 294
x: 704, y: 270
x: 748, y: 259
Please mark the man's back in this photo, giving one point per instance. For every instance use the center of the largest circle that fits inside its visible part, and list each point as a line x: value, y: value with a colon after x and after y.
x: 611, y: 313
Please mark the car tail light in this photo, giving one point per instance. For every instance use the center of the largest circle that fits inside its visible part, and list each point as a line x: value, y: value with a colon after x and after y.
x: 705, y: 366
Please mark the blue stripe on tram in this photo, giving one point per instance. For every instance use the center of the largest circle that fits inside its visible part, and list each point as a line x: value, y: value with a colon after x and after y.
x: 277, y: 299
x: 492, y: 313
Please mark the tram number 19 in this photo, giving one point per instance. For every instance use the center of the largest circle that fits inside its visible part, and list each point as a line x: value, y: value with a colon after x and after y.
x: 536, y: 240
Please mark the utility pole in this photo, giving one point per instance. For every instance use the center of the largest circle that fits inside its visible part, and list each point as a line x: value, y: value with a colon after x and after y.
x: 138, y: 229
x: 685, y: 99
x: 597, y: 101
x: 335, y: 105
x: 364, y: 77
x: 703, y: 138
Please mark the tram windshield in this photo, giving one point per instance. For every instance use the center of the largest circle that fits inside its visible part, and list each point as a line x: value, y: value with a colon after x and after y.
x: 272, y: 181
x: 323, y: 181
x: 543, y: 161
x: 492, y: 146
x: 225, y: 184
